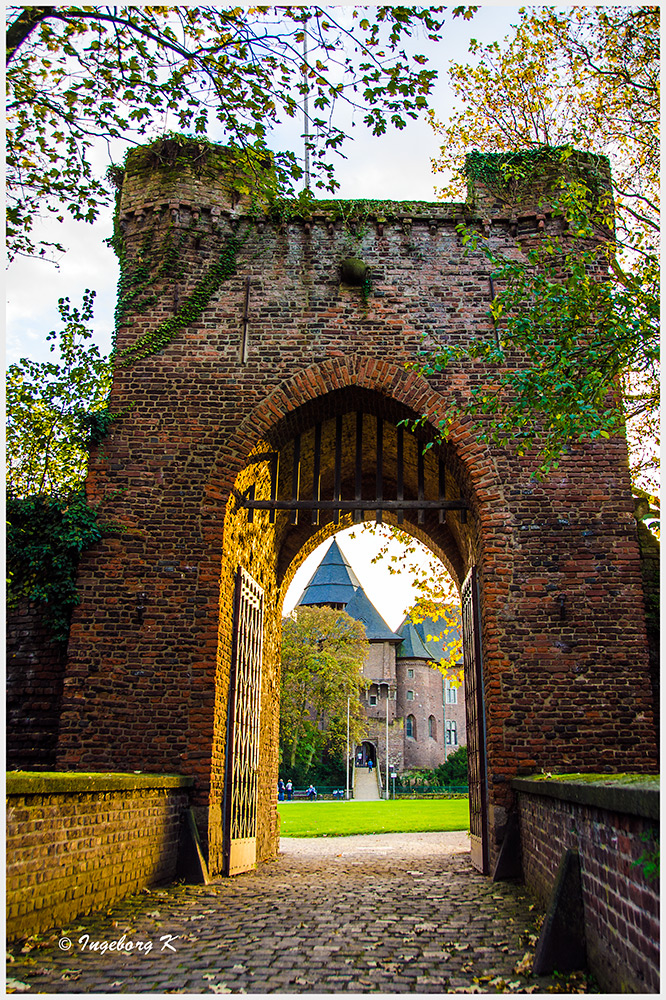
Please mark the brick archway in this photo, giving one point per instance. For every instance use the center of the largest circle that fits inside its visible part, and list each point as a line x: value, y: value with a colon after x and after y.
x: 318, y: 426
x: 146, y: 679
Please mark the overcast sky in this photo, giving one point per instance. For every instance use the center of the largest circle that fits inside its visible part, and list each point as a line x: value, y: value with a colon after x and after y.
x: 394, y: 166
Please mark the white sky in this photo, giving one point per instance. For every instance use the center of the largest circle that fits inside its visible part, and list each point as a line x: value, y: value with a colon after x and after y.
x: 394, y: 166
x: 393, y: 595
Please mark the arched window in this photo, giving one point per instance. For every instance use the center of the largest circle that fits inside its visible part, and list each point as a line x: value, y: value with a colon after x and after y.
x: 410, y: 726
x: 432, y: 727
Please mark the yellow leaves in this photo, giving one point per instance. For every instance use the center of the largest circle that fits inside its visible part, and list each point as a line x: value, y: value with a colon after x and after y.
x: 524, y: 967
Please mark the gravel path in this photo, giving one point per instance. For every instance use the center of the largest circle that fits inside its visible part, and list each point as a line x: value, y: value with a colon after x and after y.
x: 407, y: 845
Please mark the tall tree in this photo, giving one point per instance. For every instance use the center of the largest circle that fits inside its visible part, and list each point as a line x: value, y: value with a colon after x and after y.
x: 323, y: 651
x: 80, y: 76
x: 585, y: 77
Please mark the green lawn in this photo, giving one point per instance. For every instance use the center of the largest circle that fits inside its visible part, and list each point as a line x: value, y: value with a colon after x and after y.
x: 341, y: 819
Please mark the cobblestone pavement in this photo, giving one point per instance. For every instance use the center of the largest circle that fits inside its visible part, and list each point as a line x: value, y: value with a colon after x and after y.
x: 391, y: 913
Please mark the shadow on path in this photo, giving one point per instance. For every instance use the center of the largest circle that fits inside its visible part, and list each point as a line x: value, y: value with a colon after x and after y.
x: 389, y: 913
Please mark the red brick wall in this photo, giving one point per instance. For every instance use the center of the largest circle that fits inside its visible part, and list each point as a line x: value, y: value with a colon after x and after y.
x: 422, y: 751
x: 78, y: 848
x: 456, y: 712
x: 34, y: 677
x: 148, y: 689
x: 621, y: 905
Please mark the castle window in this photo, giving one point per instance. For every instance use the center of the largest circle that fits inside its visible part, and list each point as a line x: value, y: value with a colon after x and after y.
x: 373, y: 699
x: 451, y: 733
x: 451, y: 694
x: 410, y: 696
x: 410, y: 727
x: 432, y: 727
x: 410, y: 672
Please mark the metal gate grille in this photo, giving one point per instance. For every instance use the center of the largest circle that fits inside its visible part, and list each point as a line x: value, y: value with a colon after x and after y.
x: 476, y: 749
x: 240, y: 822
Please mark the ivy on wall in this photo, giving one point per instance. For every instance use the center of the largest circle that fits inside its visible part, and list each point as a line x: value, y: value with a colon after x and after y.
x: 45, y: 537
x: 134, y: 285
x: 512, y: 176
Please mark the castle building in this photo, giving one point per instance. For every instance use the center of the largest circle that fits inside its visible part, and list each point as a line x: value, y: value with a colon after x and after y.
x: 409, y: 706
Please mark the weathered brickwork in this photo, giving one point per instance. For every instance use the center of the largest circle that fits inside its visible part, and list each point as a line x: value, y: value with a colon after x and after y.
x: 425, y: 748
x: 565, y: 681
x: 76, y: 849
x: 455, y: 711
x: 621, y: 904
x: 34, y: 677
x: 650, y: 571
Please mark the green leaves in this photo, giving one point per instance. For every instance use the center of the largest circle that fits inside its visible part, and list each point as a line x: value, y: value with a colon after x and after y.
x: 78, y: 76
x: 56, y: 408
x: 565, y: 336
x: 45, y: 536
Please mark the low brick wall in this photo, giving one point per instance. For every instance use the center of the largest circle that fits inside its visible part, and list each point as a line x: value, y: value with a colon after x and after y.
x: 78, y: 842
x: 612, y: 825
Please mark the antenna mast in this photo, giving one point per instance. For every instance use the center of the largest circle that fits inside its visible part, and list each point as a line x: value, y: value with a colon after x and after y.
x: 306, y: 116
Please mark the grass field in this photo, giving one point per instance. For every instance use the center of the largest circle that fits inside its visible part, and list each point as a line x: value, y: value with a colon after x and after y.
x: 341, y: 819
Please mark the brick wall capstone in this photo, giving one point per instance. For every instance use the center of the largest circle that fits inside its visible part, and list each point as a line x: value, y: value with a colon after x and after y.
x: 614, y: 826
x: 78, y: 842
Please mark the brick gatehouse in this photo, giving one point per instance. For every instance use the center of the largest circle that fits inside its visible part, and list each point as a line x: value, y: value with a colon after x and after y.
x: 260, y: 363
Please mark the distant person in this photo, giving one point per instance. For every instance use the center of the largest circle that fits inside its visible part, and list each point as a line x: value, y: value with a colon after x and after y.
x: 311, y: 793
x: 370, y: 764
x: 359, y: 759
x: 281, y: 790
x: 290, y: 791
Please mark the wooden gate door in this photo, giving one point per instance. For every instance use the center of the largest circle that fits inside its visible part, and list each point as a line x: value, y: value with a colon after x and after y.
x: 242, y: 757
x: 476, y: 726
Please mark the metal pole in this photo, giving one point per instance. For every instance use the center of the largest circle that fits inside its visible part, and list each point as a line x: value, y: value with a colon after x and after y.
x: 347, y: 763
x: 306, y: 115
x: 388, y: 795
x: 444, y: 712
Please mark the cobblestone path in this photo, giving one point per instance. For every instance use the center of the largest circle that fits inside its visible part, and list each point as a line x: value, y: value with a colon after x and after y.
x: 388, y: 914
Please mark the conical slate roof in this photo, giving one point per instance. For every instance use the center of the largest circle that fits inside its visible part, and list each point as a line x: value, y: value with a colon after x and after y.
x: 411, y: 647
x: 333, y: 582
x: 434, y: 648
x: 376, y: 629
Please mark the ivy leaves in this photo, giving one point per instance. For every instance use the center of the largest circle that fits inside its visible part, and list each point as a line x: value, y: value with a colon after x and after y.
x: 45, y: 536
x: 565, y: 342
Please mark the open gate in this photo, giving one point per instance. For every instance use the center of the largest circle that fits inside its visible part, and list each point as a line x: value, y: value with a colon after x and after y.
x: 242, y: 755
x: 476, y: 723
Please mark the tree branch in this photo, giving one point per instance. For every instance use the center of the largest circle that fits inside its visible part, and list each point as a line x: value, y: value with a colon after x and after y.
x: 21, y: 28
